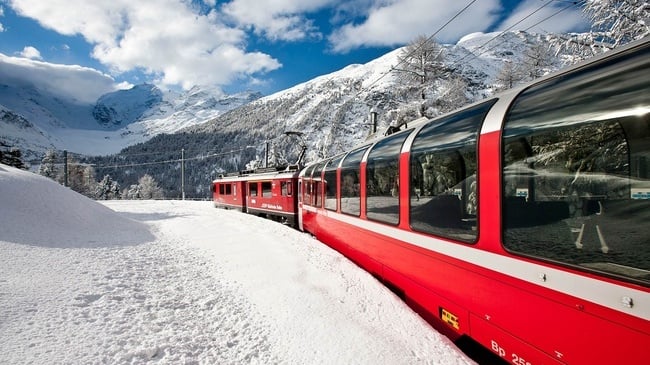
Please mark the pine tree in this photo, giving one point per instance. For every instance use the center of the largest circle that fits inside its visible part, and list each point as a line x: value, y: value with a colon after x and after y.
x: 107, y: 189
x: 48, y: 166
x: 12, y: 157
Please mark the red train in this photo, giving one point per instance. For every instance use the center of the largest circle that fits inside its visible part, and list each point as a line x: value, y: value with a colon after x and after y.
x: 267, y: 192
x: 520, y: 222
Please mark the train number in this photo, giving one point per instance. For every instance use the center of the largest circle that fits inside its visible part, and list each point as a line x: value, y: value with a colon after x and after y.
x: 514, y: 358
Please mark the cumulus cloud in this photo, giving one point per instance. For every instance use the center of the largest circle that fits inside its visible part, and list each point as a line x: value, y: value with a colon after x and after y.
x: 75, y: 82
x: 31, y: 53
x: 284, y: 20
x: 167, y: 39
x: 536, y: 16
x: 390, y: 23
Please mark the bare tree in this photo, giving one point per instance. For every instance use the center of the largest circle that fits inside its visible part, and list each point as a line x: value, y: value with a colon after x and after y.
x: 510, y: 75
x: 421, y: 60
x: 614, y: 23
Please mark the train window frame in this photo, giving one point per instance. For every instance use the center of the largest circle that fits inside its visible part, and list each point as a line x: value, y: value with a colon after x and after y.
x: 350, y: 201
x: 601, y: 159
x: 452, y: 210
x: 382, y: 194
x: 331, y: 182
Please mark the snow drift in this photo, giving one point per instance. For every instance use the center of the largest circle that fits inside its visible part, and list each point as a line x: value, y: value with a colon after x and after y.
x: 38, y: 211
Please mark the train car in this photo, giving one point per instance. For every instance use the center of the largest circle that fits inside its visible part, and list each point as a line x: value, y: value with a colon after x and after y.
x: 268, y: 192
x: 229, y: 192
x: 521, y: 222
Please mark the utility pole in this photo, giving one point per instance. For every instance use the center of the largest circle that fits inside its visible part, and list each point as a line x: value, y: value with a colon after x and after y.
x: 183, y: 173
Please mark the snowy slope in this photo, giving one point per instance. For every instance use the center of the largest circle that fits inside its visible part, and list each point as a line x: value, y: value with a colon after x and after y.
x: 160, y: 282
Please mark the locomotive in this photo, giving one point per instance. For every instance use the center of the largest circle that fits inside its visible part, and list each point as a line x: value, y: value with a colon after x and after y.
x: 520, y: 221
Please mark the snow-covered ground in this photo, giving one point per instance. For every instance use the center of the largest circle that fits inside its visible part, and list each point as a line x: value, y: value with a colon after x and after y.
x: 178, y: 282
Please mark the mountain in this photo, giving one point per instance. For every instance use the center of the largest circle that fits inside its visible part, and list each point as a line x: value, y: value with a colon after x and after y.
x: 331, y: 112
x: 36, y: 119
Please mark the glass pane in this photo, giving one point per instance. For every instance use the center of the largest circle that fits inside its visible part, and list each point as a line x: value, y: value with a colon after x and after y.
x: 350, y: 182
x: 444, y: 196
x: 382, y: 186
x: 576, y: 155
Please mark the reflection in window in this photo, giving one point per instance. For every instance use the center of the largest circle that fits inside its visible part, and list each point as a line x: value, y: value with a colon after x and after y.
x: 382, y: 189
x: 443, y: 175
x: 578, y: 192
x: 350, y: 182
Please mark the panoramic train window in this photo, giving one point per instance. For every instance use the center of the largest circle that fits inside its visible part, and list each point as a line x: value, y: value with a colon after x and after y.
x: 351, y: 182
x: 576, y: 176
x: 318, y: 184
x: 307, y: 187
x: 382, y: 178
x: 330, y: 182
x: 444, y: 196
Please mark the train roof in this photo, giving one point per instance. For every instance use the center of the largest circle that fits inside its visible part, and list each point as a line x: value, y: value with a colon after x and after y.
x: 261, y: 173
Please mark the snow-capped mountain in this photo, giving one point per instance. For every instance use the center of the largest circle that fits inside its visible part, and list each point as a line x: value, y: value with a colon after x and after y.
x: 332, y: 111
x: 114, y: 121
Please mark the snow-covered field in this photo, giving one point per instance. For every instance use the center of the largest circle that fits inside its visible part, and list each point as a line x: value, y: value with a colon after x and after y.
x: 178, y: 282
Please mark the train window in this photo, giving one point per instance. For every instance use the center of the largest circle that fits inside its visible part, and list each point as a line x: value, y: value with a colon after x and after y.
x: 382, y: 178
x: 252, y: 188
x: 267, y: 189
x: 222, y: 189
x: 318, y: 190
x: 330, y: 183
x: 286, y: 188
x: 307, y: 192
x: 443, y: 190
x: 317, y: 185
x: 576, y: 169
x: 228, y: 189
x: 350, y: 182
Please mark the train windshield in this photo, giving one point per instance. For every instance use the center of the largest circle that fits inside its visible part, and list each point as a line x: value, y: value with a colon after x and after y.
x: 576, y: 169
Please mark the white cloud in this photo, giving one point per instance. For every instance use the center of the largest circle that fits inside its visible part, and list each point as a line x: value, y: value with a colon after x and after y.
x: 165, y: 38
x: 31, y: 53
x: 552, y: 17
x: 81, y: 83
x: 390, y: 23
x: 277, y: 20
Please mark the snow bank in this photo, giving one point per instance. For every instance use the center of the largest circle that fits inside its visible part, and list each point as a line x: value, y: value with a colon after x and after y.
x: 35, y: 210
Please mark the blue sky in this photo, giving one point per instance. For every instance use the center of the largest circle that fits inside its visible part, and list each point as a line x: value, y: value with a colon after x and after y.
x: 237, y: 45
